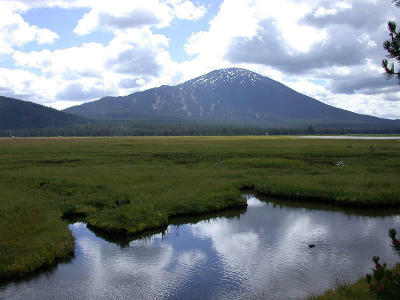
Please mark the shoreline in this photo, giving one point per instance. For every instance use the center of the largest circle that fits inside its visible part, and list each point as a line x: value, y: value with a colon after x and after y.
x: 116, y: 232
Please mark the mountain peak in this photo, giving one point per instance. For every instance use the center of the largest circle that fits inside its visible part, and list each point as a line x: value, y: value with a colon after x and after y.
x: 231, y: 95
x: 237, y: 76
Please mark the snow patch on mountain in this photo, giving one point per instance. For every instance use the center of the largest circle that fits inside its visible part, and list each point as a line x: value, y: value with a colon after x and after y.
x: 225, y: 76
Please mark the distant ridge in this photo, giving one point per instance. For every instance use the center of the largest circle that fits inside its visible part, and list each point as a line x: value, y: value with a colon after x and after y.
x: 15, y: 114
x: 232, y: 95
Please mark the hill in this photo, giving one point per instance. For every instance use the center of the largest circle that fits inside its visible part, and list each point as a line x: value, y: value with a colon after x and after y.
x: 16, y: 114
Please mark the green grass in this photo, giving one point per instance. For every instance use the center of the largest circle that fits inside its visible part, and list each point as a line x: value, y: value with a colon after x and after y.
x: 132, y: 184
x: 347, y: 291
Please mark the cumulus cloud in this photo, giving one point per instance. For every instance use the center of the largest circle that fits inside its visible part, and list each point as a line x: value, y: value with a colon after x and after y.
x: 117, y: 14
x: 8, y: 92
x: 184, y: 9
x: 131, y: 83
x: 137, y: 52
x: 368, y: 83
x: 24, y: 5
x: 15, y: 32
x: 78, y: 92
x: 137, y: 18
x: 140, y: 62
x: 120, y: 14
x: 235, y: 19
x: 337, y: 54
x: 23, y: 85
x: 101, y: 69
x: 124, y: 14
x: 124, y: 53
x: 347, y: 38
x: 357, y: 14
x: 73, y: 61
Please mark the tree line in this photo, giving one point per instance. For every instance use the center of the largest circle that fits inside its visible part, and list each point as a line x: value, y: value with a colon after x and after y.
x: 153, y: 128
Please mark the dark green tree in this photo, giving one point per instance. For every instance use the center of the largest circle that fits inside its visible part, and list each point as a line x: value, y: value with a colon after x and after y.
x: 392, y: 46
x: 384, y: 283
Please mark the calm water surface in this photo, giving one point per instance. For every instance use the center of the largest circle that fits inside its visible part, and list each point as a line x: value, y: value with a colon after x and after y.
x: 350, y: 137
x: 261, y: 252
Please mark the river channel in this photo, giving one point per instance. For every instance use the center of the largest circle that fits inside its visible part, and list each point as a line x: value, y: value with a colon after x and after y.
x: 259, y: 252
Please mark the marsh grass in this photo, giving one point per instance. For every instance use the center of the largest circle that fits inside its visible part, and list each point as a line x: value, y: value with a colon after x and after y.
x: 351, y: 291
x: 346, y: 291
x: 128, y: 185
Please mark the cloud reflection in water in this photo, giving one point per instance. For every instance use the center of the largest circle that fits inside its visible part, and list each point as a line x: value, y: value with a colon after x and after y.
x: 260, y: 253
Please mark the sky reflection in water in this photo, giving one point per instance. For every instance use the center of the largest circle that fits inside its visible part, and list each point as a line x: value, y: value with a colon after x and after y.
x: 261, y: 252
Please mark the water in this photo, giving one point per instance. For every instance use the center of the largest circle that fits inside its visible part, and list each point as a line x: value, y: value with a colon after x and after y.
x: 261, y: 252
x: 350, y: 137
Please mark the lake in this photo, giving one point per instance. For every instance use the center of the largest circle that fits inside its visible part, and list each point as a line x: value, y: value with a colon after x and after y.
x: 259, y: 252
x: 350, y: 137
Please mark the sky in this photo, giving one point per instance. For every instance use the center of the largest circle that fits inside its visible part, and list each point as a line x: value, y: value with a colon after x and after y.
x: 61, y: 53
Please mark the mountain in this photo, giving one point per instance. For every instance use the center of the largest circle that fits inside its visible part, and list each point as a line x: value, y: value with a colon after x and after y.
x: 23, y: 114
x: 229, y: 95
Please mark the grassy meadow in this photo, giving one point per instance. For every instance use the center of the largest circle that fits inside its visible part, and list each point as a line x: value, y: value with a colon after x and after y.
x: 128, y: 185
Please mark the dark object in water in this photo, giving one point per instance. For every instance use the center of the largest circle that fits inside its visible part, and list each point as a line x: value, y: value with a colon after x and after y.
x: 311, y: 246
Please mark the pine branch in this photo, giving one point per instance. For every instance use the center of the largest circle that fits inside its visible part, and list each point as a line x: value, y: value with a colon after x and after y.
x: 392, y: 47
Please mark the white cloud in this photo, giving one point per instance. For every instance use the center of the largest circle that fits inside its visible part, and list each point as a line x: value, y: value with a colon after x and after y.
x: 134, y: 52
x: 121, y: 14
x: 71, y: 61
x: 24, y: 85
x: 87, y: 24
x: 242, y: 19
x: 77, y: 92
x: 46, y: 36
x: 185, y: 9
x: 100, y: 70
x: 235, y: 18
x: 15, y: 32
x: 25, y: 5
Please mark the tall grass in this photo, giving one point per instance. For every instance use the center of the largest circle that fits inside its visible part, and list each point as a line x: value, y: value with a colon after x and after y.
x: 346, y: 291
x: 351, y: 291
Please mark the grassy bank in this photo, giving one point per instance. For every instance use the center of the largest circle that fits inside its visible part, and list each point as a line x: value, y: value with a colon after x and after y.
x: 346, y: 291
x: 131, y: 184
